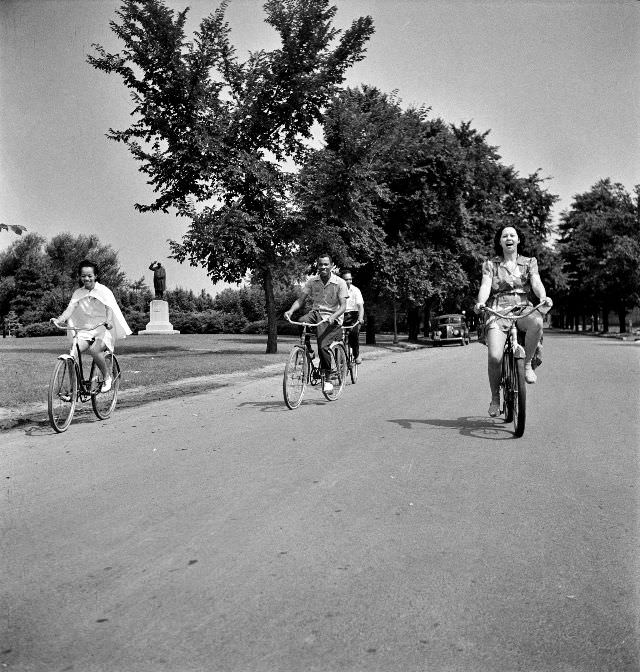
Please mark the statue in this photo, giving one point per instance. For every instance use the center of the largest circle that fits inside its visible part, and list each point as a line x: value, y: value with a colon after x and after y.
x: 159, y: 278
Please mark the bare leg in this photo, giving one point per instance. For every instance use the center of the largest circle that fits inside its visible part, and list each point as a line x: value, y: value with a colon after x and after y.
x: 97, y: 351
x: 495, y: 343
x: 532, y: 326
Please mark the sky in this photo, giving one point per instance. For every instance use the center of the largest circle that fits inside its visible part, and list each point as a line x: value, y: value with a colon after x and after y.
x: 555, y: 82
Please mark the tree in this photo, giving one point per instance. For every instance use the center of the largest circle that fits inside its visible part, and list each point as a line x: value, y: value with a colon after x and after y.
x: 212, y: 129
x: 600, y: 246
x: 385, y: 196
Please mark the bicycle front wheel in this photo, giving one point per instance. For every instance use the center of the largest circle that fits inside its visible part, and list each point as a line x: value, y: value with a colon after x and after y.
x: 104, y: 402
x: 338, y: 374
x: 294, y: 381
x: 520, y: 397
x: 508, y: 385
x: 63, y: 394
x: 353, y: 369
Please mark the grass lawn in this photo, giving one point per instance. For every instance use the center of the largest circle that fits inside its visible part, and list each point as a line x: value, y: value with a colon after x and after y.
x: 151, y: 365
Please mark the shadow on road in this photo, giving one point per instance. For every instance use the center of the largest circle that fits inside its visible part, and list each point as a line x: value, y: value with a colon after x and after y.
x: 275, y: 406
x: 473, y: 426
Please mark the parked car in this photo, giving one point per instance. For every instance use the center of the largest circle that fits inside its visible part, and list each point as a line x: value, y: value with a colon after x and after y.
x: 450, y: 329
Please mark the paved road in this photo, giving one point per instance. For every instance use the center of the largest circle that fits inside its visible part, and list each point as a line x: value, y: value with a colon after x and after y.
x: 225, y: 533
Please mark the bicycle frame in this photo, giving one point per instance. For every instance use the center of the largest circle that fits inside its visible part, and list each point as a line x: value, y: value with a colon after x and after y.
x: 514, y: 396
x: 77, y: 387
x: 295, y: 381
x: 75, y: 354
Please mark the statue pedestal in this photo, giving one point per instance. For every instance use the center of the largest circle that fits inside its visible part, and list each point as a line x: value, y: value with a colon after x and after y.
x: 159, y: 323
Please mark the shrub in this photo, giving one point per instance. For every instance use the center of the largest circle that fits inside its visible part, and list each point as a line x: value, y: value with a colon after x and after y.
x: 136, y: 319
x: 38, y: 329
x: 255, y: 327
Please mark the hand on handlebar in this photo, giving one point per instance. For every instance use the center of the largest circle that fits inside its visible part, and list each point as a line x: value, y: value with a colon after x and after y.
x: 478, y: 308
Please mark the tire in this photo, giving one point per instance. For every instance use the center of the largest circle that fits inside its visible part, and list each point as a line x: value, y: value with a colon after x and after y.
x: 353, y: 372
x: 104, y: 402
x: 63, y: 394
x: 520, y: 400
x: 294, y: 380
x: 338, y: 374
x: 508, y: 383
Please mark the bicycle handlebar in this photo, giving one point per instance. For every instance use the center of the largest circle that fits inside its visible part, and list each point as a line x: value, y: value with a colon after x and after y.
x: 506, y: 315
x: 305, y: 324
x: 102, y: 324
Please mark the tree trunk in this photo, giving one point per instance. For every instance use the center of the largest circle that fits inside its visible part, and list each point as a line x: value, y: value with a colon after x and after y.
x: 622, y: 319
x: 413, y: 323
x: 272, y: 318
x: 596, y: 323
x: 427, y: 319
x: 370, y: 335
x: 605, y: 319
x: 395, y: 322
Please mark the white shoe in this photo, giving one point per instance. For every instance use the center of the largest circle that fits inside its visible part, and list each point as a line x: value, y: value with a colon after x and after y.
x: 529, y: 374
x: 359, y: 359
x: 327, y: 387
x: 106, y: 386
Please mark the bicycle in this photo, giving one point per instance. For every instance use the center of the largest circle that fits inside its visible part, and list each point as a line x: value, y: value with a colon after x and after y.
x: 68, y: 385
x: 301, y: 371
x: 512, y: 383
x: 352, y: 365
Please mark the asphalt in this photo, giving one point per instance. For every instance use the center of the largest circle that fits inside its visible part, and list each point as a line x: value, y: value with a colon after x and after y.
x: 399, y: 528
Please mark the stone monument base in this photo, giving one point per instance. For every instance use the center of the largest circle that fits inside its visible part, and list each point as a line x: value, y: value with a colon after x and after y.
x: 159, y: 324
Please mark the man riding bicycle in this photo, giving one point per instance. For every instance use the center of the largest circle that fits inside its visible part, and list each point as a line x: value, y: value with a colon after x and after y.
x: 353, y: 315
x: 328, y: 293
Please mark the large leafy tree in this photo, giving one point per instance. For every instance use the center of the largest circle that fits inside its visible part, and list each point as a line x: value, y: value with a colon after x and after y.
x: 214, y: 129
x: 385, y: 194
x: 600, y: 246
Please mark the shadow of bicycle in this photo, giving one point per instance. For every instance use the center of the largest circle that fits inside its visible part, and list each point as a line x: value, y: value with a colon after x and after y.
x: 493, y: 429
x: 276, y: 406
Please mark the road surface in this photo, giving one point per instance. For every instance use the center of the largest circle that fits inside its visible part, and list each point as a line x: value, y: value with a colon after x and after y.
x: 398, y: 529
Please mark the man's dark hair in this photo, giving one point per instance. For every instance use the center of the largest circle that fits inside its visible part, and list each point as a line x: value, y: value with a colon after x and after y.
x: 347, y: 270
x: 323, y: 255
x: 85, y: 263
x: 522, y: 241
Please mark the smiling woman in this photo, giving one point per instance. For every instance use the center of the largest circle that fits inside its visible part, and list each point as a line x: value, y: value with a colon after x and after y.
x: 508, y: 280
x: 94, y: 304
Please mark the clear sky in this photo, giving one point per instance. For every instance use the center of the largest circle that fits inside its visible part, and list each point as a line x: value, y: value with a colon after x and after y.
x: 556, y: 82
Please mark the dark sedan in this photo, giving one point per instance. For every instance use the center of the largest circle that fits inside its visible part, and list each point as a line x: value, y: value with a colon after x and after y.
x: 450, y: 329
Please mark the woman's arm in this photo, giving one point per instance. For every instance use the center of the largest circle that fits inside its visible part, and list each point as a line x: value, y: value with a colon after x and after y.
x: 485, y: 290
x: 109, y: 318
x: 538, y: 287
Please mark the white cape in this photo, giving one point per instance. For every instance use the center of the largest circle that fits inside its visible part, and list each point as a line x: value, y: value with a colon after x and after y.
x: 106, y: 297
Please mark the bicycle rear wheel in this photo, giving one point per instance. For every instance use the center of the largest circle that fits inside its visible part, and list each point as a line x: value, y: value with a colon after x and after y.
x: 104, y: 402
x: 338, y: 374
x: 63, y: 394
x: 294, y: 381
x: 520, y: 398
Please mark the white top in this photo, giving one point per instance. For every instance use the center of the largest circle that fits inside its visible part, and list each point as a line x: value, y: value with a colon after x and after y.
x: 354, y: 299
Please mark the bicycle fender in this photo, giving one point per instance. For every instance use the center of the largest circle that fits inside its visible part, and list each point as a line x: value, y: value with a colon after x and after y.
x: 518, y: 351
x: 67, y: 356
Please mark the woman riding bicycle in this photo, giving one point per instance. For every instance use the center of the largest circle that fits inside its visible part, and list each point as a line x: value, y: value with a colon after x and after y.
x: 508, y: 281
x: 95, y: 304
